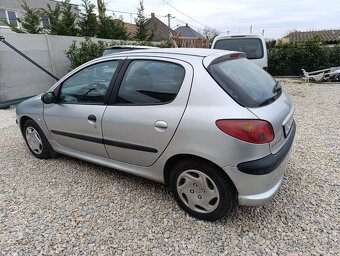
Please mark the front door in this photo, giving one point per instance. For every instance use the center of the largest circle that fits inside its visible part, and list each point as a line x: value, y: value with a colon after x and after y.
x: 75, y: 120
x: 147, y: 109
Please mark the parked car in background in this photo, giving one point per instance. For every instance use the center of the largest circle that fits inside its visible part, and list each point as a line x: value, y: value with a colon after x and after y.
x: 253, y: 45
x: 210, y: 124
x: 123, y: 48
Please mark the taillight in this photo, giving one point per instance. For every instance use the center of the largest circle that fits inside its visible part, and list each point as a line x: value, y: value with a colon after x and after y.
x: 253, y: 131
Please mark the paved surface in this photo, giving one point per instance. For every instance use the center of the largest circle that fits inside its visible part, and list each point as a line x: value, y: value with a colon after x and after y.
x: 66, y: 206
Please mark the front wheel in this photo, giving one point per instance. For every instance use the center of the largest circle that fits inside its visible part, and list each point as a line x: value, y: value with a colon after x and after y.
x: 36, y: 140
x: 202, y: 189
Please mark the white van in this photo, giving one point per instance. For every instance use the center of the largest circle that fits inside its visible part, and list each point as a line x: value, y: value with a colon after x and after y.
x: 253, y: 45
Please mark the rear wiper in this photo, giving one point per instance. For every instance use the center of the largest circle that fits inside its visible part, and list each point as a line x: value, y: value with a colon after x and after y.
x: 277, y: 90
x: 277, y: 87
x: 267, y: 101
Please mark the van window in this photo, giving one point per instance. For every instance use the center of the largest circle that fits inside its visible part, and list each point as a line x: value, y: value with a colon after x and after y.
x: 252, y: 47
x: 245, y: 82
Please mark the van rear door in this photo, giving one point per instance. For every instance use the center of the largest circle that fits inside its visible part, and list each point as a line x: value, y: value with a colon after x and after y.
x: 253, y: 46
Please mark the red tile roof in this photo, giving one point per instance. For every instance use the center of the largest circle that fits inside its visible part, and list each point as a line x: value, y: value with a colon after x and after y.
x: 327, y: 36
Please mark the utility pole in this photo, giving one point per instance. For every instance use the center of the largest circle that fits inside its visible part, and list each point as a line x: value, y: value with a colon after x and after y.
x: 251, y: 29
x: 169, y: 26
x: 101, y: 8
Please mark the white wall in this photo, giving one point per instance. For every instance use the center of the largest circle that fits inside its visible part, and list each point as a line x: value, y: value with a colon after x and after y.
x: 18, y: 77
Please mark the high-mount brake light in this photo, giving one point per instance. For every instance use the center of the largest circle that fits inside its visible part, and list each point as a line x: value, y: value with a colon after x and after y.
x: 234, y: 56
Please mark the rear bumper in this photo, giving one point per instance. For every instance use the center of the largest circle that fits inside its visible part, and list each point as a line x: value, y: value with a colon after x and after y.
x: 271, y: 162
x: 262, y: 198
x: 257, y: 187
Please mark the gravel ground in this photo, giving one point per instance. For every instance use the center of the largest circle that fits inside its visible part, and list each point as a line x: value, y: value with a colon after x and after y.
x: 70, y: 207
x: 7, y: 117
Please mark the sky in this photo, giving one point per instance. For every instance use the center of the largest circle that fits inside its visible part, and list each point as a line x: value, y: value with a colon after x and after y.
x: 273, y: 18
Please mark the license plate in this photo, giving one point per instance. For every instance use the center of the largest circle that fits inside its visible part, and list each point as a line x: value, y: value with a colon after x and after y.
x: 287, y: 126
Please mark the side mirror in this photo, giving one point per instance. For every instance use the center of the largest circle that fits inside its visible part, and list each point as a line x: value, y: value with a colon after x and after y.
x: 48, y: 98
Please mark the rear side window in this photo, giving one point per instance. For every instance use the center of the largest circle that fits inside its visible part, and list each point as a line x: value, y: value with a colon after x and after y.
x: 252, y: 47
x: 150, y: 82
x: 245, y: 82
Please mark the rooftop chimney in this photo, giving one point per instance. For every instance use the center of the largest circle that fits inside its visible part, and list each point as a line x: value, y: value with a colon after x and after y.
x: 152, y: 15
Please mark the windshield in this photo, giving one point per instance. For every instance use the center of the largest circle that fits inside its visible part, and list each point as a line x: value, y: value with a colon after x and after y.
x: 252, y: 47
x: 245, y: 82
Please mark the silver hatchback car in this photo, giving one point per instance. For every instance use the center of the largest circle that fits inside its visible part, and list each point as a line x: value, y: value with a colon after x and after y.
x: 211, y: 125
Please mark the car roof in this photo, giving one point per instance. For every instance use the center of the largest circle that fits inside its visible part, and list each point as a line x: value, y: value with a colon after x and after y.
x: 224, y: 35
x: 199, y: 52
x: 130, y: 47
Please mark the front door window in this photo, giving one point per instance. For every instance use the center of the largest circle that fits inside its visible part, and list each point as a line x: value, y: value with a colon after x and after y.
x: 88, y: 86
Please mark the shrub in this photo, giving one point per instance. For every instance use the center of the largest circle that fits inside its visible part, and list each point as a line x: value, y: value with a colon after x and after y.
x: 30, y: 21
x: 287, y: 59
x: 88, y: 50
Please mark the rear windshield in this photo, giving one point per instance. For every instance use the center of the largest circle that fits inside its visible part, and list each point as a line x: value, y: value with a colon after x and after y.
x: 245, y: 82
x: 252, y: 47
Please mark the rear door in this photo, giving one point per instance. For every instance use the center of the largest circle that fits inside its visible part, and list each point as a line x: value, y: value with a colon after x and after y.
x: 147, y: 107
x: 254, y: 48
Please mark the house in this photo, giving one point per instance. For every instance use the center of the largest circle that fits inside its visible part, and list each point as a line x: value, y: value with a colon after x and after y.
x: 131, y: 29
x: 11, y: 10
x: 188, y: 32
x: 187, y: 37
x: 159, y: 31
x: 329, y: 37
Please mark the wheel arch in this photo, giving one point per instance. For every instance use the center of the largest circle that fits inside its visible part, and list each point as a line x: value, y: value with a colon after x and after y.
x: 22, y: 121
x: 170, y: 163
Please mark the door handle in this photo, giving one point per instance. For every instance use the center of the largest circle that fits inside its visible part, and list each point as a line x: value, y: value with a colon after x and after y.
x: 92, y: 118
x: 161, y: 124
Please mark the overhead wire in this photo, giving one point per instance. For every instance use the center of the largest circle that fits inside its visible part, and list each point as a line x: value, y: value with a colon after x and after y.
x: 161, y: 16
x: 187, y: 23
x: 203, y: 25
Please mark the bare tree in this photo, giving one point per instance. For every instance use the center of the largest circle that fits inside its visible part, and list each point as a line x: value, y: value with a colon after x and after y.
x: 210, y: 32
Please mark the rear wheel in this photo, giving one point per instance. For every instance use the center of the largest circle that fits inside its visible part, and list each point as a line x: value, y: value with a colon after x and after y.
x: 36, y: 140
x: 202, y: 189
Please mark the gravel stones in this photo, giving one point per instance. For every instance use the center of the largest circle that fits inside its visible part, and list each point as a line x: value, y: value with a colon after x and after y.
x: 70, y: 207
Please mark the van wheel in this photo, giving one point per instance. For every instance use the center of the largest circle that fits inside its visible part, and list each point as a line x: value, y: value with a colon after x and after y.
x: 36, y: 141
x: 202, y: 189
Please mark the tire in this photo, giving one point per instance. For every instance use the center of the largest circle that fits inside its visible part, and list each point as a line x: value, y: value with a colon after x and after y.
x: 36, y: 140
x: 202, y: 190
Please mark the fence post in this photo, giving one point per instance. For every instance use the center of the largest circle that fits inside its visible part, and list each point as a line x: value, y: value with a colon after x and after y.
x: 49, y: 49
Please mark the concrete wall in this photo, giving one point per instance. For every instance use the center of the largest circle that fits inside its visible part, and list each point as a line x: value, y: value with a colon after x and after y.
x: 18, y: 77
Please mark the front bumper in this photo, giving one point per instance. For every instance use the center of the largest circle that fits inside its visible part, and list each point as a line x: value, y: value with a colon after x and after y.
x: 257, y: 187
